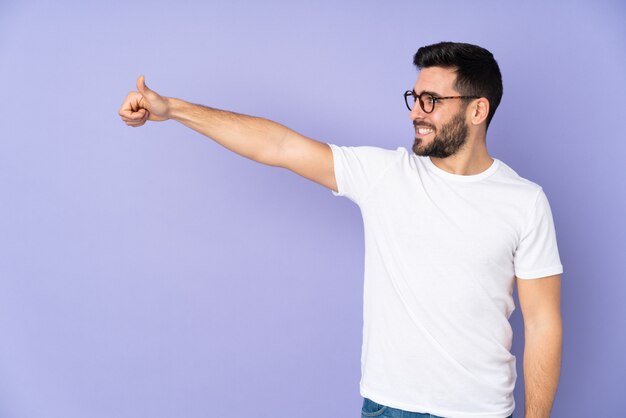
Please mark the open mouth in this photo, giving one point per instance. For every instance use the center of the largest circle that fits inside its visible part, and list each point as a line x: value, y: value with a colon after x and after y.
x: 423, y: 131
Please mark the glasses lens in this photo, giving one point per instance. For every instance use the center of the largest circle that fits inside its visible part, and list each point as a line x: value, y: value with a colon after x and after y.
x: 428, y: 102
x: 409, y: 99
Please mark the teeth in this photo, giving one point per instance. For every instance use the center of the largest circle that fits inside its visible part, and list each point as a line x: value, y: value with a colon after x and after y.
x: 424, y: 131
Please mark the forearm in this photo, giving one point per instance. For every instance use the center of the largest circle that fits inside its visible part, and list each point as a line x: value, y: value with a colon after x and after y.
x: 542, y: 367
x: 252, y: 137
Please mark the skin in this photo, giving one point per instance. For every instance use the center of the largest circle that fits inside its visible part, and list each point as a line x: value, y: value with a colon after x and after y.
x: 271, y: 143
x: 472, y: 157
x: 540, y: 303
x: 448, y: 139
x: 143, y: 105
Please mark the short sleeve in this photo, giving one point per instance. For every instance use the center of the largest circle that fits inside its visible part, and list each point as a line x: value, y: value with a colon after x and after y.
x: 537, y: 254
x: 357, y: 169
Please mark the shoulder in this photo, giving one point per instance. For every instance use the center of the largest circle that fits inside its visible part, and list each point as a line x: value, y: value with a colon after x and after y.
x: 369, y: 150
x: 515, y: 184
x: 368, y: 154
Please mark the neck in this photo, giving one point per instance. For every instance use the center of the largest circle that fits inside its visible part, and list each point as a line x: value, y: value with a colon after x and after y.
x: 472, y: 159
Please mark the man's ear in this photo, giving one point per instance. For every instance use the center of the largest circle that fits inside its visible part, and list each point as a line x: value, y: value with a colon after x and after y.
x: 479, y: 110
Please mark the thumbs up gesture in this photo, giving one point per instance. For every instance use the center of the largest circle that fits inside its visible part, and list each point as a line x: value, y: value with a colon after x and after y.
x: 143, y: 104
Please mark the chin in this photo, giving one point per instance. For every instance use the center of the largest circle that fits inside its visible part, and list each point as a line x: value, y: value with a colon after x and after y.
x: 418, y: 143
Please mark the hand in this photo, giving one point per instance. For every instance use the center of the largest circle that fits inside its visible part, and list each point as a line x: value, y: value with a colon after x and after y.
x: 142, y: 105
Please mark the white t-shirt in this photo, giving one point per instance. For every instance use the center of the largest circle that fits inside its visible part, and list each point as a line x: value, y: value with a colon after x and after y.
x: 441, y: 255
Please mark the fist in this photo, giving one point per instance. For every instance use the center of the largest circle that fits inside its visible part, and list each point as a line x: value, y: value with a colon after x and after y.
x: 142, y: 105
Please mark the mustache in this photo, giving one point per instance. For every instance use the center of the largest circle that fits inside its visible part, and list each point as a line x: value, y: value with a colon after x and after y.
x: 417, y: 124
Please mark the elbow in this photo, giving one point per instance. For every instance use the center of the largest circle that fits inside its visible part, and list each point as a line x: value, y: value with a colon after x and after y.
x: 545, y: 323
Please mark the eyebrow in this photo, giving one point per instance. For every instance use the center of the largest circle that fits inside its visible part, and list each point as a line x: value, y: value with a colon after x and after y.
x: 432, y: 93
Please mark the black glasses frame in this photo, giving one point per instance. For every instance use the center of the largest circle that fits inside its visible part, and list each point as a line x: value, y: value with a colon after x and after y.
x: 431, y: 99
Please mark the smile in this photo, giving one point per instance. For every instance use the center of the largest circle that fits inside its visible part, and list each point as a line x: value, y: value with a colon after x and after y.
x: 424, y: 131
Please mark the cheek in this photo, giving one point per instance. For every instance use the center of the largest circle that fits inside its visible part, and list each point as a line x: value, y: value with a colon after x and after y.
x: 433, y: 121
x: 437, y: 123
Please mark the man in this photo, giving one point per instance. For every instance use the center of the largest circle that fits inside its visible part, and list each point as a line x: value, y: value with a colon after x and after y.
x: 447, y: 230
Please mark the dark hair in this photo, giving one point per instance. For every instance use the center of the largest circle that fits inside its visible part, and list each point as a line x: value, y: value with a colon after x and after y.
x: 477, y: 72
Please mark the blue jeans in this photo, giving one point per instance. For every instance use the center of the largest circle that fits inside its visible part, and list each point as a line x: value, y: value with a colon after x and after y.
x: 373, y: 409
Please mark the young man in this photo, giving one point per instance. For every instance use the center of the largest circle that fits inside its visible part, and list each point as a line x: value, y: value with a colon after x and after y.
x: 448, y: 231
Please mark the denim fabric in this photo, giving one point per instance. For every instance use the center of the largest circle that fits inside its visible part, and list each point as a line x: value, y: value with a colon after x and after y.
x: 373, y: 409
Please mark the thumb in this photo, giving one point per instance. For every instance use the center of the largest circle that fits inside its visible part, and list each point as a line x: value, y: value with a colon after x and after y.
x: 156, y: 105
x: 141, y: 85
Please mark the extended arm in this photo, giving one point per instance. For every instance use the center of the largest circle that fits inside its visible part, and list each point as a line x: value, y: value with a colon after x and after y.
x: 256, y: 138
x: 543, y: 334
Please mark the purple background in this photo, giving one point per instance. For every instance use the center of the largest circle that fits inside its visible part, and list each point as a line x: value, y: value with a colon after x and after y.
x: 151, y: 272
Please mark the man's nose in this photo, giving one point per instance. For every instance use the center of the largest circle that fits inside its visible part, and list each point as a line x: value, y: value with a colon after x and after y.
x: 416, y: 112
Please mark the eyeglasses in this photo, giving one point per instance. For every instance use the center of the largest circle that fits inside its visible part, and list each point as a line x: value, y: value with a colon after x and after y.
x: 427, y: 100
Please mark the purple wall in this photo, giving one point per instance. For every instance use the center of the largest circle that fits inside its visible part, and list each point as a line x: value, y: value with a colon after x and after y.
x: 151, y: 272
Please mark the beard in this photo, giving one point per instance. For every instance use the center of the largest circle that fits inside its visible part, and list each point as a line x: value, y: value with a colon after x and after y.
x: 447, y: 141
